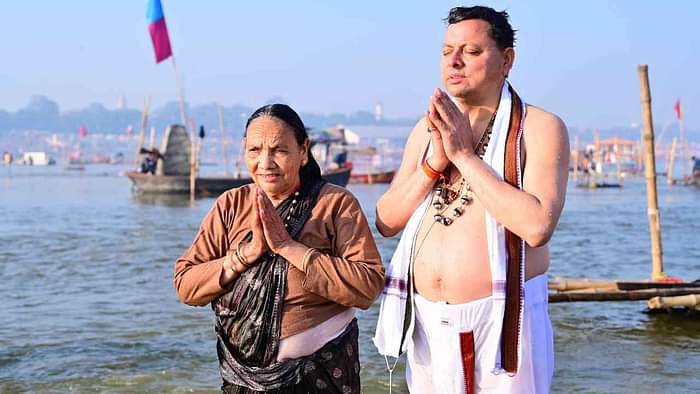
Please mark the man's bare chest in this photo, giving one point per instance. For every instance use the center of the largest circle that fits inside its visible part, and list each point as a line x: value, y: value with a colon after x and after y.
x: 466, y: 235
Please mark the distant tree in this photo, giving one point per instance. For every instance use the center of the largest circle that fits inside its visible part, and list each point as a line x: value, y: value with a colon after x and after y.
x: 362, y: 117
x: 5, y: 121
x: 276, y: 100
x: 41, y: 113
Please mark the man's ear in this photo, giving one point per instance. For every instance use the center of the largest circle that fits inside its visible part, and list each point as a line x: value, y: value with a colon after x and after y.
x: 508, y: 60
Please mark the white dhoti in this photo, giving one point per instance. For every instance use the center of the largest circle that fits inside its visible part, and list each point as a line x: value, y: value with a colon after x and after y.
x: 509, y: 332
x: 434, y: 363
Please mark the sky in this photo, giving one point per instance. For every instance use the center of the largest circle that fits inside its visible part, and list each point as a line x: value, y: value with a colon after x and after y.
x: 576, y: 59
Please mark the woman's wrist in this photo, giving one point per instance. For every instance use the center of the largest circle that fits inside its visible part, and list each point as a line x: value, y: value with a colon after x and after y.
x: 294, y: 252
x: 240, y: 254
x: 231, y: 265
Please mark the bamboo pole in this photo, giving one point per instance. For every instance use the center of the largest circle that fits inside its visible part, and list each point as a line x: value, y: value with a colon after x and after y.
x: 658, y: 139
x: 193, y: 161
x: 618, y: 164
x: 598, y: 157
x: 688, y: 301
x: 671, y: 156
x: 620, y: 295
x: 239, y: 158
x: 183, y: 121
x: 684, y: 148
x: 142, y: 132
x: 640, y: 151
x: 223, y: 139
x: 667, y: 158
x: 181, y: 98
x: 657, y: 271
x: 576, y: 158
x: 578, y: 284
x: 152, y: 138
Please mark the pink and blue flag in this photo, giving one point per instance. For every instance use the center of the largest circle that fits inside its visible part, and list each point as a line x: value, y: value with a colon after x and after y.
x: 158, y: 30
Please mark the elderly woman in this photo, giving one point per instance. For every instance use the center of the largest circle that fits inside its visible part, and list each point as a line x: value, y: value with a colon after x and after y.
x: 283, y: 262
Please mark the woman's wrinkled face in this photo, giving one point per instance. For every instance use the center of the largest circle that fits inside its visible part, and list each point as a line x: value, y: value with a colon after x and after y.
x: 274, y: 157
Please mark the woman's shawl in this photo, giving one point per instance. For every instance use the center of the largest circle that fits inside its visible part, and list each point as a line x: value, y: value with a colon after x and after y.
x: 249, y: 316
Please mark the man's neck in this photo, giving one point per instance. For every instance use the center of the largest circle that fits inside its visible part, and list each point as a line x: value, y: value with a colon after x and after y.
x: 480, y: 107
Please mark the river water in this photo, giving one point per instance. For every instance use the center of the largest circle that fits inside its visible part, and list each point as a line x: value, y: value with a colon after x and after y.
x: 88, y: 303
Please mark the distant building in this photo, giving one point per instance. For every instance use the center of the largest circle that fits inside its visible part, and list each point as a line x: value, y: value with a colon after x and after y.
x: 37, y: 159
x: 378, y: 112
x: 121, y: 102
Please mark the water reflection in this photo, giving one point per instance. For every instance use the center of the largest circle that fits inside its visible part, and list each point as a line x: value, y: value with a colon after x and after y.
x: 87, y: 267
x: 167, y: 200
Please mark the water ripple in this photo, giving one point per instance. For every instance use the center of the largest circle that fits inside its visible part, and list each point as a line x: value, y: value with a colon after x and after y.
x: 89, y: 304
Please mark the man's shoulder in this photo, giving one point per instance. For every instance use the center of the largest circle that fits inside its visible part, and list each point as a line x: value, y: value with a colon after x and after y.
x: 419, y: 135
x: 544, y: 133
x: 540, y: 119
x: 543, y: 128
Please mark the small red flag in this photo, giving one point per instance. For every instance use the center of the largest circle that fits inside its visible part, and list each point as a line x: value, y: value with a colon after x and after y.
x: 158, y: 30
x: 677, y: 108
x: 130, y: 131
x: 82, y: 131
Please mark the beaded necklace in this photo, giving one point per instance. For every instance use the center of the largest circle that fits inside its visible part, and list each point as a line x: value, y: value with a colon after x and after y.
x: 444, y: 195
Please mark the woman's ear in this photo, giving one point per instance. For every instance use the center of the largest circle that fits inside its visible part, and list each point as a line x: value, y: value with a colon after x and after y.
x: 305, y: 153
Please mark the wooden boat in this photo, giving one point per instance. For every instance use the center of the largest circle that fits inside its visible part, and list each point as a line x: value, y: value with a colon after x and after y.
x: 209, y: 186
x: 599, y: 185
x: 373, y: 177
x: 172, y: 172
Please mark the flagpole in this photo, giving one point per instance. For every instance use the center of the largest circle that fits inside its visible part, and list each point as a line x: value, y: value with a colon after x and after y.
x: 183, y: 120
x: 180, y: 96
x: 163, y: 49
x: 144, y: 120
x: 669, y: 165
x: 223, y: 139
x: 684, y: 147
x: 193, y: 162
x: 152, y: 138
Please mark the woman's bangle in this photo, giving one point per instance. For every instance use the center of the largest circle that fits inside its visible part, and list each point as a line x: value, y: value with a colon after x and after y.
x: 305, y: 258
x: 232, y: 264
x: 430, y: 171
x: 240, y: 257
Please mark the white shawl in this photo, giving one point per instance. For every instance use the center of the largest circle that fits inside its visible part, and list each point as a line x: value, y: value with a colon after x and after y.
x: 391, y: 334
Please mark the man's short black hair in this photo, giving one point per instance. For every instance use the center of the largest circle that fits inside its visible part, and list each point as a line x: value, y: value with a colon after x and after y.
x: 500, y: 29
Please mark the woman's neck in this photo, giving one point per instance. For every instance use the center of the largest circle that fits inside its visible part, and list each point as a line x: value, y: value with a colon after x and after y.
x: 277, y: 199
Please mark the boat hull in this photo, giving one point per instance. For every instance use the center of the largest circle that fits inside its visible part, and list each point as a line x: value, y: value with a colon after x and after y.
x: 210, y: 186
x: 373, y: 177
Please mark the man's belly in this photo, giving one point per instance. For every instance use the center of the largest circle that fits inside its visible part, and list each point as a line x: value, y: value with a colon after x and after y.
x: 451, y: 263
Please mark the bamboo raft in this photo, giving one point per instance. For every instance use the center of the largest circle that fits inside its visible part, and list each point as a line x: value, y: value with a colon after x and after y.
x: 660, y: 295
x: 661, y: 292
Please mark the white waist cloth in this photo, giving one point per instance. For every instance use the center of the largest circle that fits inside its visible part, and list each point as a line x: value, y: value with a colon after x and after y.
x: 434, y: 360
x: 309, y: 341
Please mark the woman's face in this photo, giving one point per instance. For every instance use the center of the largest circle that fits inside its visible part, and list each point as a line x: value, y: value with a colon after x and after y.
x: 274, y: 157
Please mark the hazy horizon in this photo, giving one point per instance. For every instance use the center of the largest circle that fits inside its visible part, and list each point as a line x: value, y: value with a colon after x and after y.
x: 578, y: 60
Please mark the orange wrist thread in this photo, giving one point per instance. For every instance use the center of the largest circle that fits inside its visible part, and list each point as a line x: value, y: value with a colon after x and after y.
x: 430, y: 171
